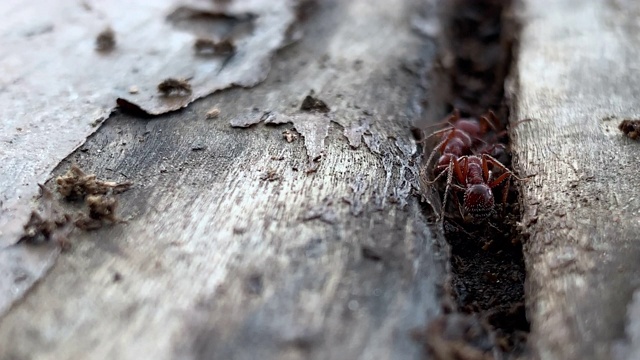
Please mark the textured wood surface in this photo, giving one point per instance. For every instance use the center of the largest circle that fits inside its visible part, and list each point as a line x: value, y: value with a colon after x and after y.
x: 52, y: 103
x: 577, y: 78
x: 233, y: 250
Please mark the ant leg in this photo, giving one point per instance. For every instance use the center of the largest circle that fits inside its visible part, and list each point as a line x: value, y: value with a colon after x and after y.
x: 489, y: 121
x: 461, y: 168
x: 454, y: 167
x: 486, y: 174
x: 450, y: 120
x: 438, y: 132
x: 494, y: 121
x: 520, y: 122
x: 446, y: 189
x: 441, y: 145
x: 506, y: 176
x: 486, y: 159
x: 458, y: 188
x: 427, y: 182
x: 486, y: 125
x: 495, y: 183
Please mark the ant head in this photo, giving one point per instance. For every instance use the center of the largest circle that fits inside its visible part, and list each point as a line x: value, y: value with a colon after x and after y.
x: 478, y: 202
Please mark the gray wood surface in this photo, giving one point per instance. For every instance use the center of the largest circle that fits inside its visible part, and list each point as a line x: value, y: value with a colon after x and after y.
x: 51, y: 104
x: 577, y: 78
x: 233, y: 249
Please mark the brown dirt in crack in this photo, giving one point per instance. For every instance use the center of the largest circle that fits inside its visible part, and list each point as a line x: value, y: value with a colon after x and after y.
x: 487, y: 264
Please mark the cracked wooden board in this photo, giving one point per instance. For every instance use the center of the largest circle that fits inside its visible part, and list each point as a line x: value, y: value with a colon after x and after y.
x: 51, y: 104
x: 222, y: 260
x: 21, y: 268
x: 576, y: 80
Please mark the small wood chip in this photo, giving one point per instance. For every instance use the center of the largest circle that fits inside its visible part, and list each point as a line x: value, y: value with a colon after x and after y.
x: 213, y: 113
x: 290, y: 135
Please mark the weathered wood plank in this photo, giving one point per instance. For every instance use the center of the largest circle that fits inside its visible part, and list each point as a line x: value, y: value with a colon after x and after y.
x: 576, y: 79
x: 74, y: 88
x: 219, y: 262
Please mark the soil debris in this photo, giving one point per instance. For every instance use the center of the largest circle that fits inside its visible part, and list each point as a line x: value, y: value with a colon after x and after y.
x: 254, y: 284
x: 209, y: 47
x: 324, y: 213
x: 106, y: 40
x: 290, y: 135
x: 270, y: 175
x: 212, y: 113
x: 313, y: 104
x: 76, y: 184
x: 86, y: 223
x: 198, y: 147
x: 631, y: 128
x: 102, y: 207
x: 459, y: 337
x: 42, y: 229
x: 174, y: 87
x: 117, y: 277
x: 479, y: 53
x: 50, y: 224
x: 371, y: 253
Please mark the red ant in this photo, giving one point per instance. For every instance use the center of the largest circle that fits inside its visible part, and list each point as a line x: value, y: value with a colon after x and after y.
x: 466, y: 155
x: 472, y: 172
x: 464, y: 136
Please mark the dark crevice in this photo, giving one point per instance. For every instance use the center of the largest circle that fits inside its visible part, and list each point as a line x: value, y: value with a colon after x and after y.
x: 486, y: 260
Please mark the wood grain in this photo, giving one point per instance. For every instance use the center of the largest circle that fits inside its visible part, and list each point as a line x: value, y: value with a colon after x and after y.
x: 57, y: 83
x: 576, y: 79
x: 220, y: 261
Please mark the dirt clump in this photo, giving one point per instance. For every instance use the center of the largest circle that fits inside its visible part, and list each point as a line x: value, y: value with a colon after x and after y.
x: 49, y: 224
x: 75, y: 184
x: 174, y: 87
x: 631, y: 128
x: 106, y: 40
x: 208, y: 47
x: 313, y: 104
x: 459, y: 337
